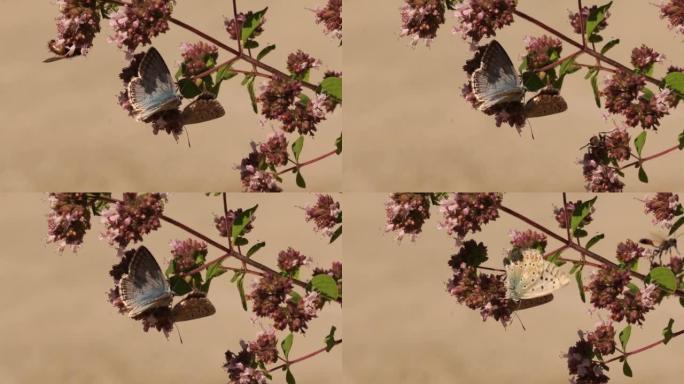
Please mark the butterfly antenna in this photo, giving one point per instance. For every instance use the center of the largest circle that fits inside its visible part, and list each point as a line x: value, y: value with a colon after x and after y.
x: 520, y: 320
x: 187, y: 134
x: 179, y: 333
x: 531, y: 130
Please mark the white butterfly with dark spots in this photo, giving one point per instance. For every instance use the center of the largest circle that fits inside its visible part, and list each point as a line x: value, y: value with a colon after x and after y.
x: 496, y: 81
x: 144, y: 287
x: 533, y: 277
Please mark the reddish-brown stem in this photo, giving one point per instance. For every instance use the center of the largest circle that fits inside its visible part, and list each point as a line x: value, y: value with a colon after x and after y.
x: 238, y: 27
x: 302, y: 165
x: 582, y: 23
x: 585, y: 49
x: 305, y: 357
x: 491, y: 269
x: 565, y: 198
x: 218, y: 261
x: 642, y: 349
x: 225, y: 216
x: 597, y: 66
x: 216, y: 68
x: 570, y: 244
x: 559, y: 62
x: 654, y: 156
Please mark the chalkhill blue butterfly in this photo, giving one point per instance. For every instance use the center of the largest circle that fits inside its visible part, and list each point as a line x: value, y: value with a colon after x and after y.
x: 144, y: 287
x: 496, y: 80
x: 195, y: 305
x: 203, y: 109
x: 533, y: 277
x: 154, y: 90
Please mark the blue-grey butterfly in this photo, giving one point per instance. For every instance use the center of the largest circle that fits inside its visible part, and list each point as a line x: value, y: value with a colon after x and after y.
x: 533, y: 277
x: 144, y: 287
x: 203, y: 109
x: 195, y: 305
x: 153, y: 90
x: 547, y: 102
x: 496, y: 80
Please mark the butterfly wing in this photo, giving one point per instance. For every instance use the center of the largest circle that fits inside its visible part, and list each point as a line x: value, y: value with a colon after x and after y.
x: 144, y: 287
x: 550, y: 279
x: 496, y: 81
x: 202, y: 110
x: 194, y: 306
x: 531, y: 303
x: 545, y: 104
x: 154, y: 90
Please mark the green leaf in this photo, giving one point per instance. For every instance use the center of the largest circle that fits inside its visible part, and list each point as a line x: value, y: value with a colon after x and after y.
x: 681, y: 301
x: 241, y: 291
x: 609, y: 45
x: 580, y: 285
x: 633, y: 288
x: 188, y: 88
x: 595, y: 240
x: 240, y: 241
x: 251, y: 44
x: 596, y: 16
x: 286, y: 345
x: 252, y: 96
x: 680, y: 138
x: 676, y: 225
x: 330, y: 339
x: 301, y: 183
x: 265, y: 51
x: 336, y: 234
x: 179, y: 286
x: 594, y: 88
x: 555, y: 259
x: 624, y: 336
x: 255, y: 248
x: 252, y: 22
x: 297, y: 147
x: 338, y: 144
x: 675, y: 81
x: 326, y: 285
x: 242, y: 220
x: 664, y: 278
x: 626, y: 369
x: 643, y: 177
x: 532, y: 81
x: 640, y: 141
x: 580, y: 213
x: 213, y: 271
x: 332, y: 86
x: 667, y: 332
x: 289, y: 377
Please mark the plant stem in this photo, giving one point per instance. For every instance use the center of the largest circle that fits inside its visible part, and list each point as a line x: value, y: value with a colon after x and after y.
x: 645, y: 159
x: 302, y: 165
x: 642, y: 349
x: 572, y: 245
x: 238, y: 27
x: 305, y: 357
x: 582, y: 23
x: 584, y: 48
x: 559, y: 61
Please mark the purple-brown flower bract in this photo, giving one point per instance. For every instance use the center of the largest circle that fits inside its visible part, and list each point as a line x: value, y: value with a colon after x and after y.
x: 198, y: 57
x: 643, y: 58
x: 186, y: 254
x: 673, y: 11
x: 254, y: 174
x: 664, y: 206
x: 421, y: 19
x: 541, y: 50
x: 68, y: 220
x: 582, y: 366
x: 330, y: 17
x: 325, y: 214
x: 629, y: 252
x: 625, y: 95
x: 478, y: 19
x: 406, y: 213
x: 244, y: 368
x: 299, y: 63
x: 291, y: 260
x: 137, y: 22
x: 136, y: 215
x: 600, y: 162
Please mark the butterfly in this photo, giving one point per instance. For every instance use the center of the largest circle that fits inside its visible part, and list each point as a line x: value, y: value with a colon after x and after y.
x: 204, y: 108
x: 194, y: 306
x: 496, y: 80
x: 144, y: 287
x: 154, y: 90
x: 547, y: 102
x: 532, y: 277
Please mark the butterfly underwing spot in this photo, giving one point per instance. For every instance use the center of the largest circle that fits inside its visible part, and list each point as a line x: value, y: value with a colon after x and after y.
x: 496, y: 81
x: 532, y: 277
x: 144, y: 287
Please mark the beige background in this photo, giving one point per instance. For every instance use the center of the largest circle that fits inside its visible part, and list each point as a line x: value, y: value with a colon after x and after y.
x: 57, y: 325
x: 405, y: 111
x: 403, y: 327
x: 64, y: 130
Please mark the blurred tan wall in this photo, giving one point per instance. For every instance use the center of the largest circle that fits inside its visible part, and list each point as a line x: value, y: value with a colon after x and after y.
x: 410, y: 129
x: 402, y: 326
x: 57, y: 325
x: 64, y: 130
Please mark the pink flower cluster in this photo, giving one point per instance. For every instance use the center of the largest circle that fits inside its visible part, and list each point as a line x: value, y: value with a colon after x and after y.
x: 68, y: 220
x: 139, y: 21
x: 421, y: 19
x: 465, y: 213
x: 586, y: 11
x: 131, y: 218
x: 186, y: 253
x: 563, y: 215
x: 255, y: 175
x: 326, y: 214
x: 244, y: 367
x: 673, y: 11
x: 197, y: 56
x: 330, y: 17
x: 406, y: 213
x: 600, y: 162
x: 291, y: 260
x: 541, y: 49
x: 77, y: 24
x: 664, y: 206
x: 478, y: 19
